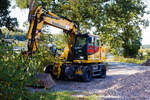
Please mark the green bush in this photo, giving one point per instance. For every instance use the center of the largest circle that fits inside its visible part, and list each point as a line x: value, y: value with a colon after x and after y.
x: 43, y: 57
x: 147, y: 51
x: 127, y: 60
x: 16, y: 73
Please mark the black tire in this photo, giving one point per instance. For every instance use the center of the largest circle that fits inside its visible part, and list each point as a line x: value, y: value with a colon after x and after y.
x: 87, y: 75
x: 63, y: 75
x: 48, y: 69
x: 103, y: 75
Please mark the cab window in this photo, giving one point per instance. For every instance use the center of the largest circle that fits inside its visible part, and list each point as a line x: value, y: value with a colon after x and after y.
x: 97, y: 42
x: 90, y: 41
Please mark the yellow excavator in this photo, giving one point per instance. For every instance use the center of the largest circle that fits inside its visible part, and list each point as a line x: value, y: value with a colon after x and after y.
x: 83, y: 57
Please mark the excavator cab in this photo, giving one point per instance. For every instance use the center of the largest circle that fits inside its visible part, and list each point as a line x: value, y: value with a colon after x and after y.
x: 85, y: 47
x: 80, y: 47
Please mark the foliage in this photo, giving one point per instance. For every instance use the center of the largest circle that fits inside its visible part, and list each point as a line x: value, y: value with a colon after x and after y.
x: 15, y: 73
x: 80, y: 11
x: 44, y: 57
x: 52, y: 96
x: 124, y: 21
x: 5, y: 19
x: 23, y: 3
x: 63, y: 95
x: 45, y: 38
x: 147, y: 51
x: 143, y: 55
x: 19, y: 35
x: 140, y: 54
x: 127, y: 60
x: 117, y: 22
x: 60, y: 40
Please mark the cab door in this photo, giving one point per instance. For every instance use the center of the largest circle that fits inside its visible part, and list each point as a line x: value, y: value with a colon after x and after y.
x: 91, y: 48
x: 96, y: 48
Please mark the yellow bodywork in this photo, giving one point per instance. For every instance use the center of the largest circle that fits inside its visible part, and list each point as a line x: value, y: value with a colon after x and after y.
x: 97, y: 57
x: 69, y: 28
x: 78, y: 72
x: 57, y: 69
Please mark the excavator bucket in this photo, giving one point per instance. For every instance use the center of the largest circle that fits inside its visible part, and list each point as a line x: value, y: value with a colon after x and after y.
x: 45, y: 80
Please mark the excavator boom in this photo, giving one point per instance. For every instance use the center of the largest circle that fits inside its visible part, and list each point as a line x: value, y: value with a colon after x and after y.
x: 40, y: 17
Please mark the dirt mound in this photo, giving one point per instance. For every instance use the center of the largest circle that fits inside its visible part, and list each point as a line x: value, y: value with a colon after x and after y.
x: 147, y: 63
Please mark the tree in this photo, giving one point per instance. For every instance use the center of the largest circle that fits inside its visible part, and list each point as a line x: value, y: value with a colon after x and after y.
x: 23, y: 3
x: 5, y: 19
x: 116, y: 21
x: 124, y: 25
x: 79, y: 11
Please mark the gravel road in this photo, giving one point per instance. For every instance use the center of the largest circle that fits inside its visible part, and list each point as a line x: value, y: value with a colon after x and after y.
x: 124, y: 81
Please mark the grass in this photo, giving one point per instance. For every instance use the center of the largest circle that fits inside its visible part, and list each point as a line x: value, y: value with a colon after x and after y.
x: 52, y: 96
x: 126, y: 60
x: 63, y: 95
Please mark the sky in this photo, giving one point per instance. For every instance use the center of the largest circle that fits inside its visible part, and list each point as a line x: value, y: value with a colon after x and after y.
x: 22, y: 15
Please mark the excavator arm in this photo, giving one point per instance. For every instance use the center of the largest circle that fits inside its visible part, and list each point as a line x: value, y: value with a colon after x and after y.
x: 39, y: 16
